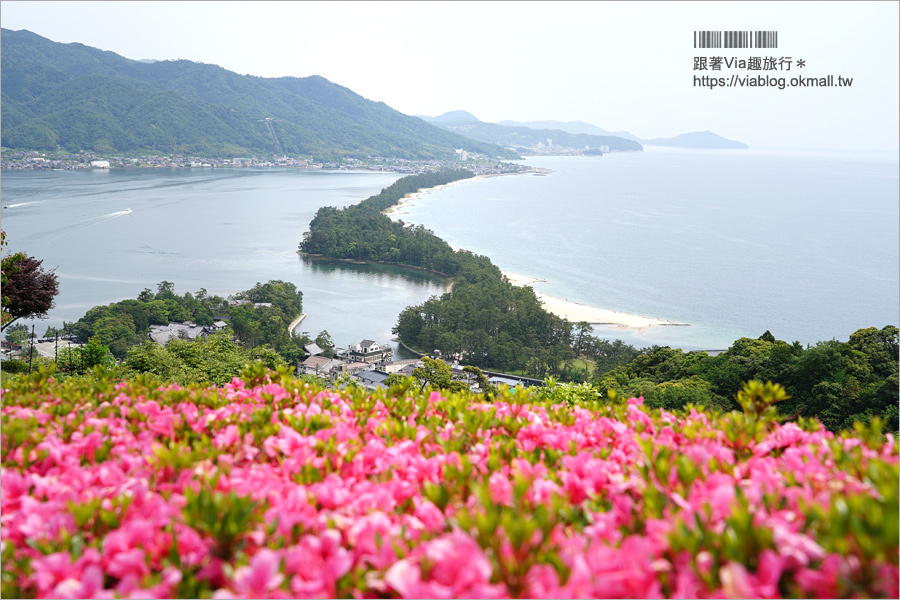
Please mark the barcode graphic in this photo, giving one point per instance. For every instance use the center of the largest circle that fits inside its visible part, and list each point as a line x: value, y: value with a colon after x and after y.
x: 735, y: 39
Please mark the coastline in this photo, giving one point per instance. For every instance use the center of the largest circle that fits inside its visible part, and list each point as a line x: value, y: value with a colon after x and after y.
x: 393, y: 212
x: 576, y: 312
x: 358, y: 261
x: 300, y: 318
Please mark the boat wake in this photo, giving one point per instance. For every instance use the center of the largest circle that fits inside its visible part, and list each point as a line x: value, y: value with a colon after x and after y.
x: 90, y: 222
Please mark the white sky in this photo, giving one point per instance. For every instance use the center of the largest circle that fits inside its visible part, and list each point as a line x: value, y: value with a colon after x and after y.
x: 618, y: 65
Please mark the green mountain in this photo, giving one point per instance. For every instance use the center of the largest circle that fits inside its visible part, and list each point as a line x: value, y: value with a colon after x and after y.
x: 699, y: 139
x: 81, y: 98
x: 525, y: 137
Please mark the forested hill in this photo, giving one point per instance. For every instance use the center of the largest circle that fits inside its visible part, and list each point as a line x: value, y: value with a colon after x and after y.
x: 82, y: 98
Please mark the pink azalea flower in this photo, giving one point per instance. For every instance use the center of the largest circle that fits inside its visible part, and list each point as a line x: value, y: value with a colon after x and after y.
x: 51, y: 570
x: 131, y: 562
x: 87, y: 585
x: 259, y: 578
x: 317, y: 563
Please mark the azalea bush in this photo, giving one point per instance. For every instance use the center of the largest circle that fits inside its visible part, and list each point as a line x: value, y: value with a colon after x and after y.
x: 272, y: 487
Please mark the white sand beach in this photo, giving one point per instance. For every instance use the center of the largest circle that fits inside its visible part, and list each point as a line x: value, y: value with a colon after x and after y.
x: 577, y: 312
x: 394, y: 212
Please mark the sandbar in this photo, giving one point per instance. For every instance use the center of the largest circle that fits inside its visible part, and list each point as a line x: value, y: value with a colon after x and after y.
x: 576, y: 312
x: 394, y: 212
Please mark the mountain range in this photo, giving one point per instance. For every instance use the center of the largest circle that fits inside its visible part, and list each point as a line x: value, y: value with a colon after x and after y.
x: 574, y: 127
x: 75, y: 97
x: 522, y: 136
x: 462, y: 122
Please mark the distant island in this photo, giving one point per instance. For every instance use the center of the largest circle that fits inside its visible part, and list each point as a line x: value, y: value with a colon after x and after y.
x: 561, y: 133
x: 699, y: 139
x: 76, y: 98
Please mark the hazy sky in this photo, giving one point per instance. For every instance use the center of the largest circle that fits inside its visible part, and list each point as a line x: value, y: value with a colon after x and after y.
x: 619, y: 65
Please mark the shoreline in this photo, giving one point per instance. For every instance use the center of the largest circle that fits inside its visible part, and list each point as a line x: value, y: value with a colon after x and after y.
x: 295, y: 323
x: 577, y: 312
x: 359, y: 261
x: 394, y: 211
x: 574, y: 312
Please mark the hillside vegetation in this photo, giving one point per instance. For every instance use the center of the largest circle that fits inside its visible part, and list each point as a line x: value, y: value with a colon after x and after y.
x: 81, y: 98
x: 260, y: 319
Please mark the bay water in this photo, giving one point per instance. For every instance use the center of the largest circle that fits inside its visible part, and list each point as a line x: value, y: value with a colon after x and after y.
x: 804, y: 244
x: 218, y: 229
x: 733, y: 242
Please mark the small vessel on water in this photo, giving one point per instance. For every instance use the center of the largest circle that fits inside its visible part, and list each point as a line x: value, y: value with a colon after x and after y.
x: 127, y: 210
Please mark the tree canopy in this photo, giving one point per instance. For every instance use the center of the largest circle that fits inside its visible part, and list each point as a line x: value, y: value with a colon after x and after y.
x: 258, y: 317
x: 28, y: 290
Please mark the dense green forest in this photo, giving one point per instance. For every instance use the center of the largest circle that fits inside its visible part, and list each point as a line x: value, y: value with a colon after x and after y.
x: 837, y: 382
x: 81, y: 98
x: 361, y: 232
x: 123, y: 325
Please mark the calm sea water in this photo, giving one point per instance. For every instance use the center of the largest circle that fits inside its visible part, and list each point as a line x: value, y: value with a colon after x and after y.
x: 218, y: 229
x: 804, y: 244
x: 734, y: 243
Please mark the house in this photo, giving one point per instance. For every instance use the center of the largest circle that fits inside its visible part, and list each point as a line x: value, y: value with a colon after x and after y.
x: 370, y: 352
x: 355, y: 367
x: 162, y: 334
x: 313, y: 349
x: 401, y: 365
x: 507, y: 381
x: 320, y: 365
x: 372, y: 380
x: 10, y: 347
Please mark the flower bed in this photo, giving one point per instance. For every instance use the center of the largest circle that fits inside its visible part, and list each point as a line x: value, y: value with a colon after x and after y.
x: 267, y: 488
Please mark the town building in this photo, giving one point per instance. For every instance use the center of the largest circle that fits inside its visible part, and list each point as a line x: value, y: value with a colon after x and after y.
x: 371, y: 380
x: 321, y: 366
x: 313, y: 349
x: 162, y: 334
x: 369, y: 352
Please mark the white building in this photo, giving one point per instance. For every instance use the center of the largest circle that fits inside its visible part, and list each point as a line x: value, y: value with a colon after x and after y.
x: 369, y: 352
